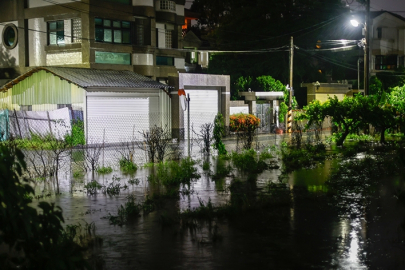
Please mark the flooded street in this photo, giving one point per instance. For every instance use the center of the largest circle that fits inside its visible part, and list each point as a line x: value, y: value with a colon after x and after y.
x: 305, y: 227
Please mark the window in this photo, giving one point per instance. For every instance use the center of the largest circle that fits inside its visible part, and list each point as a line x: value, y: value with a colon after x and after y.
x: 164, y: 61
x: 77, y: 30
x: 27, y: 108
x: 167, y: 5
x: 168, y: 38
x: 10, y: 36
x: 113, y: 31
x: 56, y: 33
x: 164, y: 33
x: 61, y: 106
x: 140, y: 31
x: 379, y: 32
x: 385, y: 62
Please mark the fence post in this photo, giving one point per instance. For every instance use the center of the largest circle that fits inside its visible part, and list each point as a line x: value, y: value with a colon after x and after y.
x: 18, y: 124
x: 49, y: 123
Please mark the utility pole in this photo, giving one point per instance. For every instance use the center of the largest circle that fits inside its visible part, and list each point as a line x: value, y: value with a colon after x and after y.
x: 289, y: 114
x: 367, y: 49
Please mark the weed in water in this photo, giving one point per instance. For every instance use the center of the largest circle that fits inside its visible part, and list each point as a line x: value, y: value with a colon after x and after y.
x: 92, y: 187
x: 248, y: 161
x: 114, y: 188
x: 206, y: 165
x: 127, y: 166
x: 104, y: 170
x: 134, y: 181
x: 222, y: 168
x: 78, y: 174
x: 126, y: 212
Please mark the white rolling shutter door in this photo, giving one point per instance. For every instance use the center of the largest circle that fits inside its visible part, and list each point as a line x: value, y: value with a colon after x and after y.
x: 203, y: 109
x: 119, y: 117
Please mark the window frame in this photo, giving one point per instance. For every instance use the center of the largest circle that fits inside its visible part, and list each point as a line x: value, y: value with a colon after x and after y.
x: 56, y: 31
x: 114, y: 30
x: 7, y: 28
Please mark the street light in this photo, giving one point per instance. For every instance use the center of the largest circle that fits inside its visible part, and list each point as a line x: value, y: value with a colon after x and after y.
x: 365, y: 45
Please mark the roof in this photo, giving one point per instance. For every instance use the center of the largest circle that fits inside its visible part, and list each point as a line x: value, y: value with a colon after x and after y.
x: 374, y: 14
x: 86, y: 78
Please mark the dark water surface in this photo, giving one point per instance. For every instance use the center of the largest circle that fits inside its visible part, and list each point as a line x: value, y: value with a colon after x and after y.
x: 307, y: 232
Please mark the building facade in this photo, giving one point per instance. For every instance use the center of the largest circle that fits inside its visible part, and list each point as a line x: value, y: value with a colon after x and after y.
x: 387, y: 42
x: 142, y: 36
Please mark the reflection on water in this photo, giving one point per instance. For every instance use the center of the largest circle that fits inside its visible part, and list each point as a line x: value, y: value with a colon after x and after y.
x: 306, y: 233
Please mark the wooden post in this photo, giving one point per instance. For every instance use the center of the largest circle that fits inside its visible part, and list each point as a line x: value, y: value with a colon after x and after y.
x: 18, y: 124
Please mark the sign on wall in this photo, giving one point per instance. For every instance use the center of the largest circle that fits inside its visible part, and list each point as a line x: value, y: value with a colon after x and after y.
x: 113, y: 58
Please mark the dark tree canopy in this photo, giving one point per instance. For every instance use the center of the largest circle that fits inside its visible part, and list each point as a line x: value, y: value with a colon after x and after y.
x: 240, y: 25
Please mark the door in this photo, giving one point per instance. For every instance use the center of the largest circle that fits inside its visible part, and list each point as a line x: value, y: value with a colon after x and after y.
x: 119, y: 117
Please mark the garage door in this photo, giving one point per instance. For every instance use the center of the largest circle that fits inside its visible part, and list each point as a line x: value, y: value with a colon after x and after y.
x: 119, y: 118
x: 203, y: 108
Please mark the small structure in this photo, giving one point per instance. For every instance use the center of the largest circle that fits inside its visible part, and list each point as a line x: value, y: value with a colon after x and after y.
x: 273, y: 98
x: 321, y: 91
x: 115, y: 104
x: 209, y: 95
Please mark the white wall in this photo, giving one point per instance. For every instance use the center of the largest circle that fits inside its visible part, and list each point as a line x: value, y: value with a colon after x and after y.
x: 179, y: 63
x: 42, y: 3
x: 148, y: 3
x: 37, y: 36
x: 142, y: 59
x: 63, y: 58
x: 8, y: 58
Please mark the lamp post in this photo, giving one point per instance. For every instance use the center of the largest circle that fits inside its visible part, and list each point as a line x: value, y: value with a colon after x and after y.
x: 366, y: 45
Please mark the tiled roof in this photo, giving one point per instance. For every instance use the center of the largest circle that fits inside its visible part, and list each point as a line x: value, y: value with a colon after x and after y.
x: 86, y: 77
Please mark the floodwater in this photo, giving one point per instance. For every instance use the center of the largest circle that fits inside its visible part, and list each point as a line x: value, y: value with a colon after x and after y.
x: 308, y: 232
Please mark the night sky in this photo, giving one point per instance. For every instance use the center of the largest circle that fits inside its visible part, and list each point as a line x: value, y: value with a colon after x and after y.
x: 397, y: 6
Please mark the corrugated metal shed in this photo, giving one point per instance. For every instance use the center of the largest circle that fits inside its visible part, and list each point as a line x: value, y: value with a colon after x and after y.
x: 85, y: 78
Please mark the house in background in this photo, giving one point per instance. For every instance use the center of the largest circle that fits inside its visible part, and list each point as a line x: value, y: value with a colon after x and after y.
x: 387, y: 42
x: 134, y: 35
x: 116, y: 104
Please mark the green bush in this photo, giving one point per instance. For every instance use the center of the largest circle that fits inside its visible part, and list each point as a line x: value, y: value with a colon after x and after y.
x: 77, y: 136
x: 172, y: 173
x: 248, y: 161
x: 104, y: 170
x: 39, y: 236
x: 127, y: 166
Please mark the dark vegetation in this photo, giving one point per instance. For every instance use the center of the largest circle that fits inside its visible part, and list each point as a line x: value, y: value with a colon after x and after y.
x: 33, y: 239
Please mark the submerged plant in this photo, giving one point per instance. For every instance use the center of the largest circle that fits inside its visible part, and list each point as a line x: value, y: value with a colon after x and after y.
x: 92, y: 187
x: 127, y: 166
x: 104, y: 170
x: 249, y: 161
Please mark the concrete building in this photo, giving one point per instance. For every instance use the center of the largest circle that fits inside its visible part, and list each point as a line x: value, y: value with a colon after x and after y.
x: 142, y: 36
x: 387, y: 42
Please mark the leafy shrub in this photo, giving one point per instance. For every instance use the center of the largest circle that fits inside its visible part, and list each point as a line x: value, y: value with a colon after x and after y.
x: 127, y: 166
x: 172, y: 173
x: 248, y: 161
x: 92, y: 187
x: 32, y: 239
x: 219, y: 132
x: 104, y: 170
x: 243, y: 122
x: 77, y: 135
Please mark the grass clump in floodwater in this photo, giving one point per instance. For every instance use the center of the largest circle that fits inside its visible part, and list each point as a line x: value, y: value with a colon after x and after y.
x: 222, y: 167
x: 306, y: 157
x: 249, y: 161
x: 92, y: 187
x: 127, y: 166
x: 104, y: 170
x: 130, y: 210
x: 113, y: 188
x: 173, y: 173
